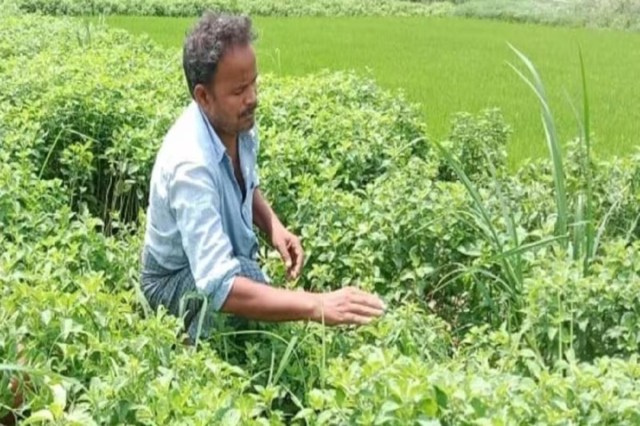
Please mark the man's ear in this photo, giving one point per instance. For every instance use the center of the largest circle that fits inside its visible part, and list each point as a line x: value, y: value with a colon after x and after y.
x: 201, y: 95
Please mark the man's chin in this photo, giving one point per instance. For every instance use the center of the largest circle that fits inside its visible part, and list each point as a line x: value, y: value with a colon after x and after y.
x: 247, y: 123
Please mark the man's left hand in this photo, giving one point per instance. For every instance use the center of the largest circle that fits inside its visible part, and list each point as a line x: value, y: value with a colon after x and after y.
x: 290, y: 249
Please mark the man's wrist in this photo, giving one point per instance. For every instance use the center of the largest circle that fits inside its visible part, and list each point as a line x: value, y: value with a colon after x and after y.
x: 275, y: 228
x: 313, y: 307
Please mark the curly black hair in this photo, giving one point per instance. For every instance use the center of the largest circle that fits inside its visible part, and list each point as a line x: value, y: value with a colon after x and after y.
x: 209, y: 39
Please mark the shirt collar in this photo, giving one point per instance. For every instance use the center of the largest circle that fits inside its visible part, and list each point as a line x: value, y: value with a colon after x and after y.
x: 210, y: 135
x: 218, y: 147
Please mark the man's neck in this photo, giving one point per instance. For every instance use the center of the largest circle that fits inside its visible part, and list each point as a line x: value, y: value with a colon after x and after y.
x: 229, y: 140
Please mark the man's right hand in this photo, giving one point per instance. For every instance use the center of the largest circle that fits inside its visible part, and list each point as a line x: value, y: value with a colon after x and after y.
x: 263, y: 302
x: 348, y: 305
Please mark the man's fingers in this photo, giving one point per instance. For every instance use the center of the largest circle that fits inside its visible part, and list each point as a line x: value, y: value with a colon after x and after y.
x: 353, y: 318
x: 366, y: 311
x: 298, y: 255
x: 368, y: 300
x: 286, y: 257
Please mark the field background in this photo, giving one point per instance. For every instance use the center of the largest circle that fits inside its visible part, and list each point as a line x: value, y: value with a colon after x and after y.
x: 447, y: 65
x: 511, y: 297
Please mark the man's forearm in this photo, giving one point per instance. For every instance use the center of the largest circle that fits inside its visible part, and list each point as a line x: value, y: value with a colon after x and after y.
x: 262, y: 302
x: 263, y: 215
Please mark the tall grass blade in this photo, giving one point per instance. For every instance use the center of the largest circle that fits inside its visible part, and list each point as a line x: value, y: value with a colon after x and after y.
x: 472, y: 192
x: 603, y: 225
x: 507, y: 216
x: 586, y: 137
x: 271, y: 366
x: 552, y: 141
x: 529, y: 246
x: 490, y: 230
x: 632, y: 229
x: 53, y: 147
x: 288, y: 352
x: 579, y: 228
x: 587, y: 232
x: 201, y: 315
x: 285, y: 359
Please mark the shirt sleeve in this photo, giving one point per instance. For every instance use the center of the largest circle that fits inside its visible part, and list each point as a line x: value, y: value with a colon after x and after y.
x: 192, y: 197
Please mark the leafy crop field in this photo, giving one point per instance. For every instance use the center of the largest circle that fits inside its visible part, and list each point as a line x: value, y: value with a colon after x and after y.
x: 446, y: 65
x: 513, y: 298
x: 253, y: 7
x: 591, y: 13
x: 621, y: 14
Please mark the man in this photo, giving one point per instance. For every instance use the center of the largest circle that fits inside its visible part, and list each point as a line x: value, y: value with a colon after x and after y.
x: 205, y: 198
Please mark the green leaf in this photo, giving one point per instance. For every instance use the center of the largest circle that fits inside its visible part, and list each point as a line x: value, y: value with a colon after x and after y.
x: 80, y: 417
x: 430, y: 407
x: 232, y: 417
x: 441, y: 397
x: 59, y: 400
x: 325, y: 416
x: 428, y: 422
x: 386, y: 412
x: 38, y: 417
x: 552, y: 141
x: 389, y: 407
x: 582, y: 324
x: 304, y: 414
x: 479, y: 407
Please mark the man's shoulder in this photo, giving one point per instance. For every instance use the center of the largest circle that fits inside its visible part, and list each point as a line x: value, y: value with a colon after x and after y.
x: 184, y: 133
x: 183, y: 142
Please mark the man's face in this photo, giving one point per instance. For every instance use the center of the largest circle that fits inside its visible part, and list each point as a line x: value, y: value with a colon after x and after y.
x: 231, y: 99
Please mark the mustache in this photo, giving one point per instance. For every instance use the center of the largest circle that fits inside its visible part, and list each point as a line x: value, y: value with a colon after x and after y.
x: 250, y: 110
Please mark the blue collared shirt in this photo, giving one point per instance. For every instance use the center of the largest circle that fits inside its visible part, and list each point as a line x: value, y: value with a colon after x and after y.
x: 196, y: 215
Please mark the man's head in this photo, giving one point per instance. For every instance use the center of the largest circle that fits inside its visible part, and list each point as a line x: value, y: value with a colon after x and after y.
x: 220, y: 67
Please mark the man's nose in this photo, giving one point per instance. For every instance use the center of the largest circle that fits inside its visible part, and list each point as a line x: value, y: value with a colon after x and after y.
x: 252, y: 95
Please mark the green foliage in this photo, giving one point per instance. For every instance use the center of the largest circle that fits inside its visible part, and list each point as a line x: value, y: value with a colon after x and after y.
x: 251, y: 7
x: 478, y: 144
x: 96, y: 130
x: 429, y: 59
x: 378, y: 385
x: 593, y: 13
x: 594, y: 315
x: 492, y: 319
x: 621, y: 14
x: 342, y: 130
